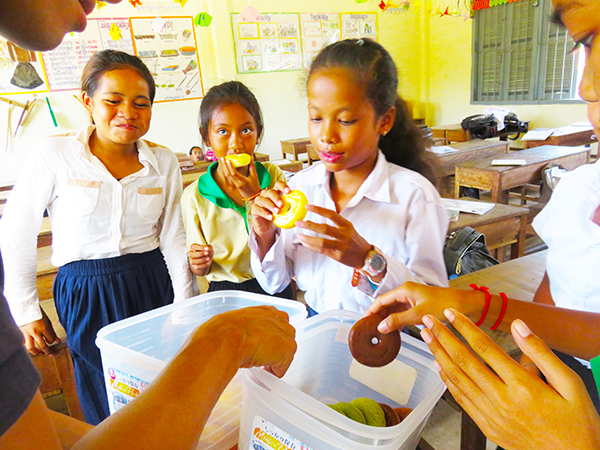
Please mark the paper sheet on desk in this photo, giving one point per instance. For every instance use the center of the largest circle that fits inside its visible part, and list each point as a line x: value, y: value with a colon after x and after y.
x: 441, y: 149
x: 537, y: 135
x: 467, y: 206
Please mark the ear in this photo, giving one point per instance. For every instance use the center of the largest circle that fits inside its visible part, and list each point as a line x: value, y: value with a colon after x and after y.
x: 86, y: 100
x: 386, y: 121
x: 206, y: 140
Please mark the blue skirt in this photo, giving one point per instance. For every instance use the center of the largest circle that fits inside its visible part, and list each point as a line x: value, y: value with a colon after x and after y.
x: 91, y: 294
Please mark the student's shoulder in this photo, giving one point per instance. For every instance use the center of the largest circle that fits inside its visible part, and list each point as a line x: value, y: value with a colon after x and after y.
x: 159, y: 150
x: 190, y: 193
x: 583, y: 180
x: 408, y: 181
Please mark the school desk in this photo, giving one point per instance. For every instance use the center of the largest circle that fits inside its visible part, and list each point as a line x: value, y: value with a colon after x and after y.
x: 294, y: 147
x: 481, y: 174
x: 452, y: 133
x: 503, y: 225
x: 571, y: 135
x: 518, y: 279
x: 472, y: 150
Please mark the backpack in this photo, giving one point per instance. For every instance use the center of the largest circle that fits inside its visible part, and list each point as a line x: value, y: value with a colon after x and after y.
x: 465, y: 252
x: 481, y: 126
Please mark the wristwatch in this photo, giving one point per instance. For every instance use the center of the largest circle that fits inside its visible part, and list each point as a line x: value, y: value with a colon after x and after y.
x: 375, y: 263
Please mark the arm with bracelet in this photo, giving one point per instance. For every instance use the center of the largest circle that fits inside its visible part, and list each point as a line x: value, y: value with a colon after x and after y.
x: 566, y: 330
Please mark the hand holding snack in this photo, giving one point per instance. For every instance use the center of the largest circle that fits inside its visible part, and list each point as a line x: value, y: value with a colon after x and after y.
x: 234, y: 167
x: 293, y: 210
x: 200, y: 257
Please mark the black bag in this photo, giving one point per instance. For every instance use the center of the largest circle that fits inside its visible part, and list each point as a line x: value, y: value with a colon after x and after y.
x: 482, y: 126
x: 465, y: 252
x: 512, y: 125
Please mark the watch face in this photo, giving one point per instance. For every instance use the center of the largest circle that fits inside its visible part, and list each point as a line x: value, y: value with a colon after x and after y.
x: 377, y: 262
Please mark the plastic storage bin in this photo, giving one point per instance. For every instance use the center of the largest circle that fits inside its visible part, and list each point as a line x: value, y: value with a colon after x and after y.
x: 136, y: 349
x: 293, y: 410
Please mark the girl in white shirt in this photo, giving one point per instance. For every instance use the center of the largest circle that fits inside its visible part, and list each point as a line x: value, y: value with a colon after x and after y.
x: 374, y: 220
x: 113, y: 200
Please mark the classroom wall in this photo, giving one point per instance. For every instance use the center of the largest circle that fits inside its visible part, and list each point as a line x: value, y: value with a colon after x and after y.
x: 433, y: 55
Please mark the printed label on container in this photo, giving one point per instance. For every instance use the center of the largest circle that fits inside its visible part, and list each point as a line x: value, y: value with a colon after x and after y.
x: 125, y: 387
x: 266, y: 436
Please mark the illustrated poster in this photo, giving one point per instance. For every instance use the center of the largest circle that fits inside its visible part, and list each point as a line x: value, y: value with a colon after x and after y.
x: 168, y: 47
x: 272, y: 43
x: 359, y: 25
x: 318, y: 31
x: 64, y: 65
x: 21, y: 71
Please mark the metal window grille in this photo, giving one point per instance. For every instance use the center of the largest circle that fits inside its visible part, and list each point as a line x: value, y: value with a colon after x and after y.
x: 520, y: 56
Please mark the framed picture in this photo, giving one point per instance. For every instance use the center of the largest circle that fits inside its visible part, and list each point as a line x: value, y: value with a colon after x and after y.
x: 251, y: 63
x: 248, y: 30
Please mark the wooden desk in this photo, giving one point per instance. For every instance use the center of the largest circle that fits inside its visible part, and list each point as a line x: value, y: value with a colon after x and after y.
x: 518, y: 279
x: 294, y: 147
x: 472, y: 150
x: 502, y: 225
x: 499, y: 179
x: 312, y: 154
x: 571, y: 136
x: 452, y: 133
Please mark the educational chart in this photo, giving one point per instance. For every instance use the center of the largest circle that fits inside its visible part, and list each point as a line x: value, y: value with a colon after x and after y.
x: 168, y: 47
x: 21, y: 71
x: 318, y: 31
x: 64, y: 65
x: 269, y: 44
x: 359, y: 25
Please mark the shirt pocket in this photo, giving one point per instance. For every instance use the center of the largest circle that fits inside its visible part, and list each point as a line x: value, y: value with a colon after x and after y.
x: 150, y: 202
x: 82, y: 196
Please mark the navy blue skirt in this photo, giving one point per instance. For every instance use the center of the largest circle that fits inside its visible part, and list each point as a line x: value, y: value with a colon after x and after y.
x: 251, y: 285
x: 91, y: 294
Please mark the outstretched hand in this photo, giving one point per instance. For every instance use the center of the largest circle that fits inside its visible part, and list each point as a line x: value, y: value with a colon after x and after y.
x: 407, y: 304
x: 261, y: 336
x: 513, y: 407
x: 339, y: 241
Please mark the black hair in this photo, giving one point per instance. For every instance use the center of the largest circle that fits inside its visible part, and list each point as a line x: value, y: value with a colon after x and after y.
x: 373, y: 68
x: 108, y: 60
x: 195, y: 146
x: 228, y: 93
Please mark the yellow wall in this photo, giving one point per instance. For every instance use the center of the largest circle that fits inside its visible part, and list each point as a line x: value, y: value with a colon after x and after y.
x: 433, y: 55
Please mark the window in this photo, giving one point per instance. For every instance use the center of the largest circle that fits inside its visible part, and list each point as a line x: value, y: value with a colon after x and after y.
x: 520, y: 56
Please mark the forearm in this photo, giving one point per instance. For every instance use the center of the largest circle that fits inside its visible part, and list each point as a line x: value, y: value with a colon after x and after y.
x: 566, y: 330
x: 176, y: 406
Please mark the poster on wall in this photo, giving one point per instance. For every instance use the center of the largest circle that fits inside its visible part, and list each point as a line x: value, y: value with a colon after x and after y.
x: 65, y: 63
x: 359, y: 25
x: 167, y: 45
x: 318, y: 31
x: 270, y: 44
x: 21, y: 71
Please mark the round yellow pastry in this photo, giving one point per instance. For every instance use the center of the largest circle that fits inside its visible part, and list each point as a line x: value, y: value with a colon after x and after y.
x: 239, y: 160
x: 293, y: 210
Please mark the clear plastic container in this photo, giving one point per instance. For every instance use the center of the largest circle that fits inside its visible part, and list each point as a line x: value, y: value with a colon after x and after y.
x: 136, y: 349
x: 294, y: 409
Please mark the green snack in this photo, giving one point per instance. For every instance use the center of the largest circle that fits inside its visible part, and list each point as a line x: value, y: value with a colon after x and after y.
x: 371, y: 410
x: 350, y: 411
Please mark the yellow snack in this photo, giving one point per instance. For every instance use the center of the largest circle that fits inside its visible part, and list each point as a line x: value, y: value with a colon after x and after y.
x: 239, y: 160
x: 293, y: 210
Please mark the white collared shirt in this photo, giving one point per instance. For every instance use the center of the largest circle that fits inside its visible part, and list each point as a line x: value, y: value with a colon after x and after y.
x: 573, y: 239
x: 93, y: 215
x: 395, y: 209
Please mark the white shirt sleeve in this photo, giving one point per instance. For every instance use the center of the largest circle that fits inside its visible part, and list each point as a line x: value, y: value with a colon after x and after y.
x: 172, y: 237
x: 19, y: 228
x: 275, y: 272
x: 425, y: 237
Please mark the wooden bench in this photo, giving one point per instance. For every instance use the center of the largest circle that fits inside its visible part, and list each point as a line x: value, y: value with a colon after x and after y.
x: 481, y: 174
x: 452, y: 133
x: 294, y: 147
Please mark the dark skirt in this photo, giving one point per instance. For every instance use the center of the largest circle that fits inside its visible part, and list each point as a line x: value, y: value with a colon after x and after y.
x: 249, y: 286
x: 91, y: 294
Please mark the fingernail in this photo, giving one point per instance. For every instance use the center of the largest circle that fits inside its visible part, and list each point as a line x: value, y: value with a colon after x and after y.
x: 427, y: 321
x: 449, y: 313
x: 437, y: 365
x: 426, y: 335
x: 383, y: 327
x: 521, y: 328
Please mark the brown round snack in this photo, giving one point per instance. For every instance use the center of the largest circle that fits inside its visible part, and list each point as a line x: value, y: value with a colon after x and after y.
x: 370, y: 347
x: 402, y: 412
x: 391, y: 416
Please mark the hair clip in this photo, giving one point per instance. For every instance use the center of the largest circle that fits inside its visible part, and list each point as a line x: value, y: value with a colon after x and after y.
x: 360, y: 42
